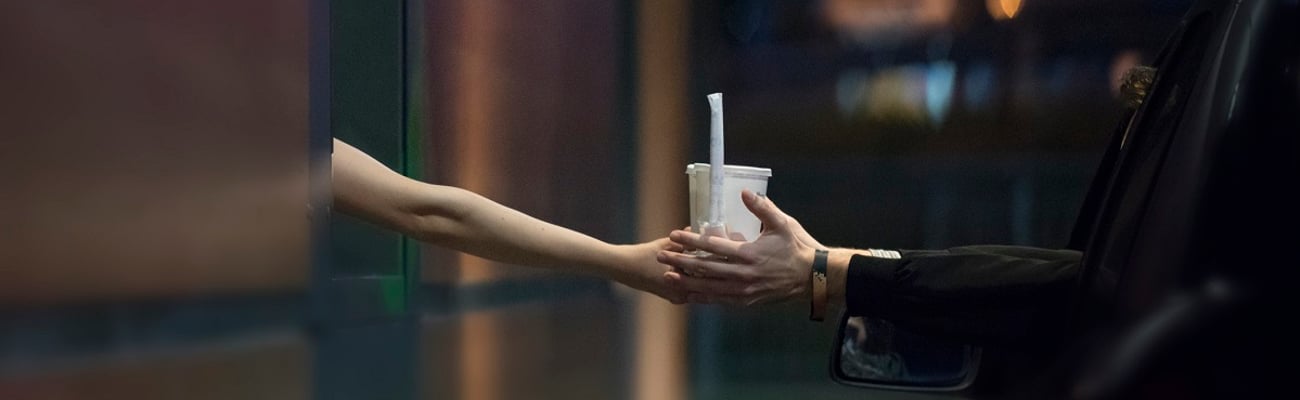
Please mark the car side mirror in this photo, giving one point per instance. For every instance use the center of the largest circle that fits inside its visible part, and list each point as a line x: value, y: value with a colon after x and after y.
x: 876, y: 353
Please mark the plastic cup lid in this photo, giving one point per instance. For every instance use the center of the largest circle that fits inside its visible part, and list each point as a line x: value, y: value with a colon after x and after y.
x: 733, y: 170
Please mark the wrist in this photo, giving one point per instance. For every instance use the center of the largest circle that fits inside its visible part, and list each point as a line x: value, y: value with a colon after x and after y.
x: 837, y: 271
x: 609, y: 261
x: 818, y: 298
x: 807, y: 255
x: 625, y: 258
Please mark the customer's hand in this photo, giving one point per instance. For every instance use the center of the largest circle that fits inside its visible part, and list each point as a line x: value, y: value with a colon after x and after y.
x: 775, y: 267
x: 794, y: 225
x: 643, y: 272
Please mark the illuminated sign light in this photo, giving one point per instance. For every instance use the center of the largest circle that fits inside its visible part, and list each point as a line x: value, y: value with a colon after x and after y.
x: 1003, y: 9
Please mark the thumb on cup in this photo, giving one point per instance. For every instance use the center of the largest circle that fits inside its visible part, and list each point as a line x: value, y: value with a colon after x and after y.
x: 772, y: 218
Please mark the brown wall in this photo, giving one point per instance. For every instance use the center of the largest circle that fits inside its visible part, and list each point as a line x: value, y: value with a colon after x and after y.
x: 151, y: 148
x: 275, y: 367
x: 521, y: 107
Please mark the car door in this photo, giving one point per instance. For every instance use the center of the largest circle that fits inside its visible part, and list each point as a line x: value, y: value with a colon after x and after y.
x: 1196, y: 186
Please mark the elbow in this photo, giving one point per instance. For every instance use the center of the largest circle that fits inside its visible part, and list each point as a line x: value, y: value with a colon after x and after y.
x: 437, y: 218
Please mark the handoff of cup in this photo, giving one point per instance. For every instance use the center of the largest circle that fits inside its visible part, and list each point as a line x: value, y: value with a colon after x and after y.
x: 716, y: 207
x: 738, y: 218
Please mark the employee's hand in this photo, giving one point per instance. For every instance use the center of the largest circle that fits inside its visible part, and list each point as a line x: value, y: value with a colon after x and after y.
x: 775, y: 267
x: 643, y: 272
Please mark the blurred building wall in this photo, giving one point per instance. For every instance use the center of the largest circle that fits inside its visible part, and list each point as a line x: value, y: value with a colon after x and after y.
x: 153, y: 227
x: 526, y: 103
x: 152, y: 148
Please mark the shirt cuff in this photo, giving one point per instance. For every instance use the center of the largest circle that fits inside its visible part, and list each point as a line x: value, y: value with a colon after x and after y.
x: 885, y: 253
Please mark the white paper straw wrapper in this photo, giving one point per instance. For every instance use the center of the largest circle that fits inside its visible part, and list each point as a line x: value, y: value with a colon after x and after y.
x: 717, y: 165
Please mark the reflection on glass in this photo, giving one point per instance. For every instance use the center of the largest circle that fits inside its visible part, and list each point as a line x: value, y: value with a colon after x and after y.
x: 868, y: 352
x: 877, y: 351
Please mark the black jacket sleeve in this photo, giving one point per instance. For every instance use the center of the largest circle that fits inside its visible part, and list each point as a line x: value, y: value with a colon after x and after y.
x: 987, y: 295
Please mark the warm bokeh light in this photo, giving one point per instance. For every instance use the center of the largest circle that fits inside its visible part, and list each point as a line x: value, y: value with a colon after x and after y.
x: 1003, y: 9
x: 869, y: 21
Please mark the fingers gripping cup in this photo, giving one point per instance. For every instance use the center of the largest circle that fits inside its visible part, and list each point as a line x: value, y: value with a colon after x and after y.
x: 738, y: 178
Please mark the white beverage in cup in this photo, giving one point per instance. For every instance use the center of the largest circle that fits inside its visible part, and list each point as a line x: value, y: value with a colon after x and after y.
x: 737, y: 216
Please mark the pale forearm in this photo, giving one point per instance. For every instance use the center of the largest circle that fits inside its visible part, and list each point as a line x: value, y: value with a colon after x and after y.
x: 487, y: 229
x: 462, y: 220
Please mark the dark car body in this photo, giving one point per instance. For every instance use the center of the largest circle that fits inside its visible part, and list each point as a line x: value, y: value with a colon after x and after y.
x: 1189, y: 256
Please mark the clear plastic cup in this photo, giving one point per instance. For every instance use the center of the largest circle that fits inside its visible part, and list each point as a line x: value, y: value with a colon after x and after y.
x: 737, y: 217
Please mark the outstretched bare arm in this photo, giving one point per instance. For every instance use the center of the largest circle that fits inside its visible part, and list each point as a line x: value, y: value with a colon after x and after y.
x: 465, y: 221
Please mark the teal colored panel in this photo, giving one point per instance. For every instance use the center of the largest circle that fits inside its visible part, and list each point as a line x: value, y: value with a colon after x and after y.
x: 368, y: 113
